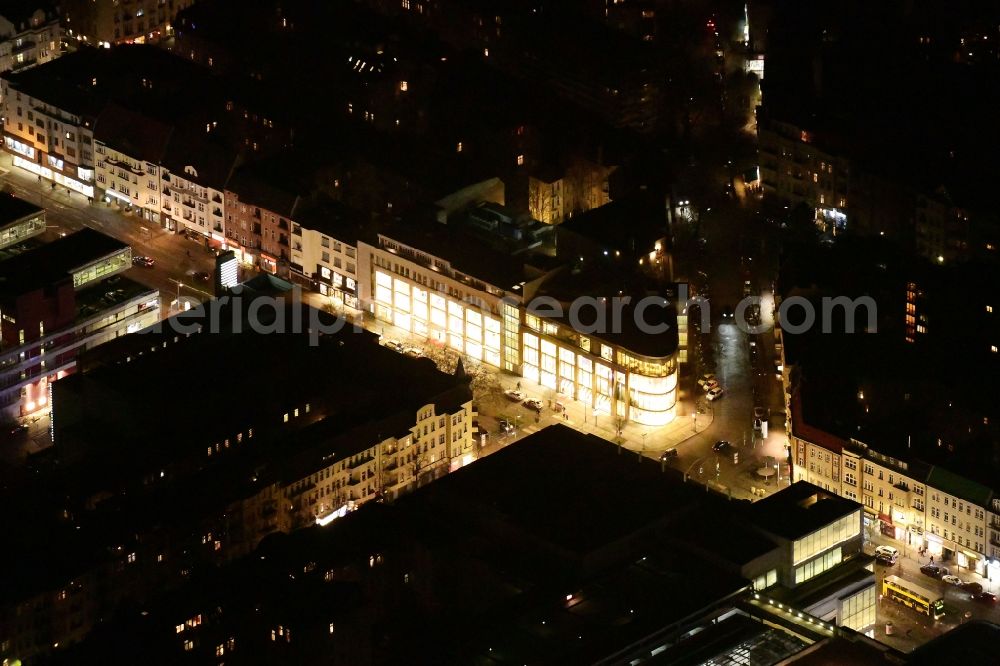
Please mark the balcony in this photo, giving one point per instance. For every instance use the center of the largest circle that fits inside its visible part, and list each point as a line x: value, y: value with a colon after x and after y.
x: 216, y: 198
x: 216, y: 212
x: 902, y: 486
x: 189, y: 204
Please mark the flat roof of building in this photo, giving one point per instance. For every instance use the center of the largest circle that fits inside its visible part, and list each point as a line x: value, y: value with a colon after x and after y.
x: 14, y: 208
x: 54, y: 261
x: 605, y: 493
x: 798, y: 510
x: 222, y: 383
x: 467, y: 253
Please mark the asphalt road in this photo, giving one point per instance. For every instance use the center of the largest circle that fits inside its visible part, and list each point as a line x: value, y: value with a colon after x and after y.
x: 177, y: 258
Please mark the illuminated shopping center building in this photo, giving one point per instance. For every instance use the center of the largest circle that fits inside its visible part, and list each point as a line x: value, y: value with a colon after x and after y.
x: 497, y: 292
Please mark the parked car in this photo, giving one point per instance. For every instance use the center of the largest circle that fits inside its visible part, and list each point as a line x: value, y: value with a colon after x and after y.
x: 933, y: 570
x: 721, y: 446
x: 534, y: 403
x: 394, y: 345
x: 506, y: 427
x: 558, y: 407
x: 715, y: 393
x: 669, y: 454
x: 514, y: 395
x: 144, y: 261
x: 972, y: 587
x: 709, y: 385
x: 706, y: 379
x: 985, y: 598
x: 886, y: 555
x: 18, y: 429
x: 413, y: 352
x: 952, y: 580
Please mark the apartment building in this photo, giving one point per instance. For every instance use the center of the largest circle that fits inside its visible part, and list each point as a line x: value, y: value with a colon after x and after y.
x: 957, y: 511
x: 796, y: 169
x: 193, y: 179
x: 30, y: 34
x: 49, y: 130
x: 130, y: 148
x: 905, y: 499
x: 58, y: 300
x: 324, y: 253
x: 106, y: 22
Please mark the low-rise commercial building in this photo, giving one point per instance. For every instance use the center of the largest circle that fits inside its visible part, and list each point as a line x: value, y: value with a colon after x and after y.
x: 58, y: 300
x: 19, y: 221
x: 495, y: 293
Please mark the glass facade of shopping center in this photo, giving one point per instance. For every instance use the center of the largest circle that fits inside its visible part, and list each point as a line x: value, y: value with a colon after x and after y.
x: 608, y: 379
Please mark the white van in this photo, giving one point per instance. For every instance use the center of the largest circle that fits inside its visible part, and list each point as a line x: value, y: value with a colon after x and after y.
x: 886, y: 554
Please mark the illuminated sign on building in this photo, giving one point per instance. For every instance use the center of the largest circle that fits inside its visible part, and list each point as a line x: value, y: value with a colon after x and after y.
x: 227, y: 268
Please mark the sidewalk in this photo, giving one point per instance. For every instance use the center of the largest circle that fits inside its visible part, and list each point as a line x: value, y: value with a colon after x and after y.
x: 649, y: 440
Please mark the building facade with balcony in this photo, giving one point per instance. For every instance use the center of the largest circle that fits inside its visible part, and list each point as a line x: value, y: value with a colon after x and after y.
x: 29, y: 35
x: 49, y: 133
x: 129, y: 150
x: 100, y: 22
x: 58, y: 300
x: 921, y: 505
x: 193, y: 180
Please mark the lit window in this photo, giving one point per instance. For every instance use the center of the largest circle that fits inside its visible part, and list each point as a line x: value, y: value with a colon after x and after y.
x: 188, y: 646
x: 179, y: 628
x: 403, y: 86
x: 520, y: 160
x: 458, y: 148
x: 993, y: 348
x: 286, y: 417
x: 989, y: 308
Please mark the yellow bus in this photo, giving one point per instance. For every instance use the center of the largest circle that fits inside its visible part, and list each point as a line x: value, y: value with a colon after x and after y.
x: 916, y: 597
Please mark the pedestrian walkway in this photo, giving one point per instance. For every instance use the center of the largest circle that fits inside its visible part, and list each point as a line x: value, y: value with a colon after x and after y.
x: 649, y: 440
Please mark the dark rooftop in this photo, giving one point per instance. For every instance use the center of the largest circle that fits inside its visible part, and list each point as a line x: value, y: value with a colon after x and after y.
x: 799, y: 510
x: 211, y: 162
x: 13, y: 209
x: 54, y: 261
x: 574, y: 490
x: 134, y: 134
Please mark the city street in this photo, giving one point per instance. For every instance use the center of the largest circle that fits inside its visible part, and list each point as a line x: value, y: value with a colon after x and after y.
x: 910, y: 629
x: 177, y: 258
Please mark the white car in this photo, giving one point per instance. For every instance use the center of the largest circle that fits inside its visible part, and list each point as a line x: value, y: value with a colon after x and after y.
x: 534, y: 403
x: 715, y: 393
x: 709, y: 385
x: 952, y: 579
x: 516, y: 396
x: 413, y: 352
x: 705, y: 379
